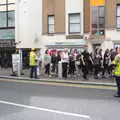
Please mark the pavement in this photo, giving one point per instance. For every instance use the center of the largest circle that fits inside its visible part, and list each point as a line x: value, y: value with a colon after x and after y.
x: 6, y: 73
x: 27, y: 100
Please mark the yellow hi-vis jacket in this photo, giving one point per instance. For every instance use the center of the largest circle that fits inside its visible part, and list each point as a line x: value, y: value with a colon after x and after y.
x: 116, y: 71
x: 33, y: 59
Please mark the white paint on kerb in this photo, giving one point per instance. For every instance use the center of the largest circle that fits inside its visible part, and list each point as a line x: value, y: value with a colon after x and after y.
x: 45, y: 110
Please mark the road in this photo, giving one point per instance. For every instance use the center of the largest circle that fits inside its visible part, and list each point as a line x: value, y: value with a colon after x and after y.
x: 26, y: 101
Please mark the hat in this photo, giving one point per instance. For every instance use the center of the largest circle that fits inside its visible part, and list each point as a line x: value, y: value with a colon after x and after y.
x: 32, y: 49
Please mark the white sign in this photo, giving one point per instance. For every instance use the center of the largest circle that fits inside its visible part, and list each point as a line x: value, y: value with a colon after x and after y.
x: 15, y: 62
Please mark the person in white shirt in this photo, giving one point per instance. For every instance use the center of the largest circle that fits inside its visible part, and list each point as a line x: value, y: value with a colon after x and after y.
x: 64, y: 60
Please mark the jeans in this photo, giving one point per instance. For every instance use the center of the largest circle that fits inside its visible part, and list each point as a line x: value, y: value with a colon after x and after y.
x: 118, y: 84
x: 32, y: 71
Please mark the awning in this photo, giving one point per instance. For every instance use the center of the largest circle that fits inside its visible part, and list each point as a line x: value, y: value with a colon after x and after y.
x: 69, y: 44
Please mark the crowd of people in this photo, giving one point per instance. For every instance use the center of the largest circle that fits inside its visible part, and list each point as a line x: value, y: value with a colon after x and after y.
x: 75, y: 63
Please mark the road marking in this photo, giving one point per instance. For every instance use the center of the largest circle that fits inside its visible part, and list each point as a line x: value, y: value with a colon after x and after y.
x: 61, y: 84
x: 45, y: 110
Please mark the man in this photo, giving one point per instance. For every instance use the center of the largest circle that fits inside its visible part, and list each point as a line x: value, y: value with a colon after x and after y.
x: 116, y: 73
x: 33, y: 63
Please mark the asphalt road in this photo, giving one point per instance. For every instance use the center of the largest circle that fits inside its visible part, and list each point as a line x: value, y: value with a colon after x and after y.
x: 21, y: 101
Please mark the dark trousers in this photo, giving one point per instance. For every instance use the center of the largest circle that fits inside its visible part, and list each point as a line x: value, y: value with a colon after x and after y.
x: 106, y: 69
x: 118, y: 84
x: 85, y: 71
x: 64, y: 69
x: 32, y: 71
x: 47, y: 69
x: 72, y: 68
x: 97, y: 70
x: 53, y: 67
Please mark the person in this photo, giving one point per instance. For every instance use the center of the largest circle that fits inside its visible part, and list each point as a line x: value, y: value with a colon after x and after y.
x: 85, y: 58
x: 71, y: 64
x: 106, y: 63
x: 39, y: 63
x: 58, y: 59
x: 33, y: 63
x: 97, y: 62
x: 64, y: 60
x: 47, y: 61
x: 116, y: 73
x: 54, y: 61
x: 6, y: 60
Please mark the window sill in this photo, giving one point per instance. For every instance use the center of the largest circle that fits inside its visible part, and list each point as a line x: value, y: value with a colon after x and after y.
x: 50, y: 34
x: 74, y: 36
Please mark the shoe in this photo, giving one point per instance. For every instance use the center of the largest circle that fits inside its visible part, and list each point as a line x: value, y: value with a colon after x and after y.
x: 116, y: 95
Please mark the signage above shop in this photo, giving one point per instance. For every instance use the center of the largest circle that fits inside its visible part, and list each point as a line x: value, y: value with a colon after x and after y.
x: 80, y: 43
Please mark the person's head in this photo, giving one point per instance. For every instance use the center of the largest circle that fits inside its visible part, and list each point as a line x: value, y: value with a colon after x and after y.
x: 106, y: 51
x: 65, y: 50
x: 117, y: 58
x: 100, y: 51
x: 46, y: 52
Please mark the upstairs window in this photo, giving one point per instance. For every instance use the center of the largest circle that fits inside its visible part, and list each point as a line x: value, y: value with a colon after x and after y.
x: 74, y: 23
x: 51, y: 24
x: 118, y: 16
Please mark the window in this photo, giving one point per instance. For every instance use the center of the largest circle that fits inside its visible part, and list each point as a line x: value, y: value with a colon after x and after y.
x: 3, y: 19
x: 7, y: 13
x: 11, y: 18
x: 74, y: 23
x: 7, y: 19
x: 98, y: 20
x: 7, y: 34
x: 118, y: 16
x: 2, y: 1
x: 51, y: 24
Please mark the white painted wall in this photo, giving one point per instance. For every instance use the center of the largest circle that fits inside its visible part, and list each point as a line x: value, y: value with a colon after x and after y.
x: 113, y: 35
x: 74, y: 6
x: 51, y: 39
x: 29, y: 23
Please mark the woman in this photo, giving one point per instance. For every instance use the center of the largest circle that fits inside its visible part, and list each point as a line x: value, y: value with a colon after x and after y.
x: 47, y: 61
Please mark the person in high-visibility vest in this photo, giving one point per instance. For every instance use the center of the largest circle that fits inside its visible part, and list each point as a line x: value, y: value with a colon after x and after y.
x: 33, y: 63
x: 116, y: 73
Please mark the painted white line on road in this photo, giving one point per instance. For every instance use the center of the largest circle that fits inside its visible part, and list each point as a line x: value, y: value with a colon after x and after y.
x: 44, y: 109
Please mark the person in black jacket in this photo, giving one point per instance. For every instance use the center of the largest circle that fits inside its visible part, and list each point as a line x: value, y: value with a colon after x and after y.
x: 85, y: 58
x: 106, y: 62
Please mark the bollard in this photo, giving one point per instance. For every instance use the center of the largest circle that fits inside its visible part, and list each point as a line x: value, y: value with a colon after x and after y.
x: 60, y: 69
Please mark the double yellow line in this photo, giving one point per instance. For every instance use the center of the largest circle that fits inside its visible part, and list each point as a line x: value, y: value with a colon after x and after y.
x: 103, y: 87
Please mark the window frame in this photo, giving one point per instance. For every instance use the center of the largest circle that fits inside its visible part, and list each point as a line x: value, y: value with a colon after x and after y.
x: 117, y: 16
x: 69, y: 15
x: 51, y: 24
x: 98, y: 25
x: 7, y: 11
x: 7, y: 27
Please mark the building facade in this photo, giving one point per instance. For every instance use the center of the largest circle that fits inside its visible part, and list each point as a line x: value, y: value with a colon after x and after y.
x: 28, y: 23
x: 67, y: 23
x: 63, y: 23
x: 113, y: 22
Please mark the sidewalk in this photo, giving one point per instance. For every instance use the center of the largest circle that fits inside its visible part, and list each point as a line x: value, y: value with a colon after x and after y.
x: 6, y: 73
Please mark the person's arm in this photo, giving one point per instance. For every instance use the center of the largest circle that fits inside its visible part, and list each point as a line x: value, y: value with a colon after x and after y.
x: 91, y: 60
x: 82, y: 60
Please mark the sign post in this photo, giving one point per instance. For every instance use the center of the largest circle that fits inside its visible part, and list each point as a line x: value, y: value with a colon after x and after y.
x: 16, y: 64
